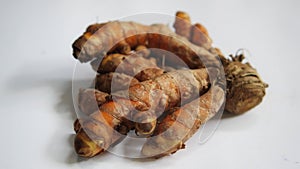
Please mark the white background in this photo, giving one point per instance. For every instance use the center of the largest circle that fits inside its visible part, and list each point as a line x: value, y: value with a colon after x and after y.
x: 36, y: 72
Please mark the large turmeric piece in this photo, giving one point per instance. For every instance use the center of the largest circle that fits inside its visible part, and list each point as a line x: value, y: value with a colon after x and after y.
x: 151, y: 96
x: 167, y: 108
x: 245, y: 88
x: 180, y: 125
x: 90, y: 46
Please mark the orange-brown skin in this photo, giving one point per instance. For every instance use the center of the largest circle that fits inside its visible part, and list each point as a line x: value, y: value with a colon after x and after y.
x: 136, y: 64
x: 142, y: 97
x: 197, y: 33
x: 133, y: 65
x: 180, y: 125
x: 245, y: 88
x: 98, y: 133
x: 87, y: 48
x: 182, y: 24
x: 183, y: 122
x: 121, y: 47
x: 89, y: 100
x: 165, y: 92
x: 112, y: 82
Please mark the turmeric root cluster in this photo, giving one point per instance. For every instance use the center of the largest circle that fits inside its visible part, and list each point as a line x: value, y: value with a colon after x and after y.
x: 161, y: 84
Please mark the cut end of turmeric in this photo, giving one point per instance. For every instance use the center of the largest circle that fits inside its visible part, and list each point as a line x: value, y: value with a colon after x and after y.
x: 85, y: 147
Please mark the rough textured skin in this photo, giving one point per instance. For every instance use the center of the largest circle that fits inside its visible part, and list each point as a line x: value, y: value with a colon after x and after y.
x: 89, y: 100
x: 143, y: 97
x: 98, y: 132
x: 133, y: 65
x: 180, y: 125
x: 113, y: 82
x: 87, y: 48
x: 165, y: 92
x: 245, y: 89
x: 136, y: 64
x: 151, y: 108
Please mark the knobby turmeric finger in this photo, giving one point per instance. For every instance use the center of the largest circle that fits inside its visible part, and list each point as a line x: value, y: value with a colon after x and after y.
x: 87, y: 48
x: 136, y: 64
x: 197, y: 33
x: 97, y: 133
x: 174, y: 130
x: 245, y: 88
x: 133, y: 65
x: 182, y: 24
x: 155, y: 96
x: 176, y: 87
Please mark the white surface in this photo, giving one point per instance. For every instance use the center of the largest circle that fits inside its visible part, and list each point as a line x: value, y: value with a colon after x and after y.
x: 36, y: 71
